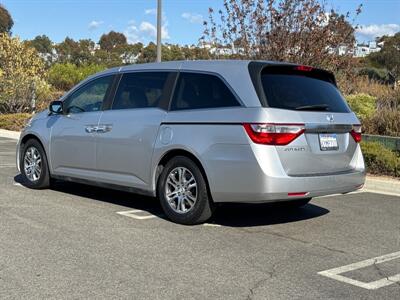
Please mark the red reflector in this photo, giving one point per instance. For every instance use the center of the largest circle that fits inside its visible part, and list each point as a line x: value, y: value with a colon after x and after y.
x: 304, y: 68
x: 356, y: 133
x: 273, y: 134
x: 297, y: 194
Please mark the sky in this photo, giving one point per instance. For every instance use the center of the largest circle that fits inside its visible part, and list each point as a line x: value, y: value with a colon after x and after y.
x: 182, y: 19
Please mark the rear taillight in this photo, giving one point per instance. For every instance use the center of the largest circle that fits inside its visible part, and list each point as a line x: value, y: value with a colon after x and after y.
x: 273, y: 134
x: 356, y: 133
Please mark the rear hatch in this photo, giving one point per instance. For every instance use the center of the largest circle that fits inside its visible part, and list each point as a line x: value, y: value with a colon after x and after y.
x: 305, y: 104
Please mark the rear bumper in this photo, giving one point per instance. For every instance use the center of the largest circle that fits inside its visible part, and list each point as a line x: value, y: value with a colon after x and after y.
x: 241, y: 177
x: 278, y: 189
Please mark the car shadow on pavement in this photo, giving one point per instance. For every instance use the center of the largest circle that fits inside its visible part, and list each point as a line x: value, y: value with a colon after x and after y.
x: 127, y: 201
x: 247, y: 215
x: 232, y: 215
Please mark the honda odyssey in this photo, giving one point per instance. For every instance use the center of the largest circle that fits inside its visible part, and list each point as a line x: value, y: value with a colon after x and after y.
x: 197, y: 133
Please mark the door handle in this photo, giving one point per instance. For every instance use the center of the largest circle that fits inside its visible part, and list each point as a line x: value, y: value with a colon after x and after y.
x: 90, y: 129
x: 103, y: 128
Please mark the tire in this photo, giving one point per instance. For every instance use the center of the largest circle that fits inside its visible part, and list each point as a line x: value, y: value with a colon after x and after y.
x: 35, y: 181
x: 182, y: 191
x: 293, y: 204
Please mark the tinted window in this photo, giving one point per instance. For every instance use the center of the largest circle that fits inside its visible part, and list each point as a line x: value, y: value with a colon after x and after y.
x: 302, y: 90
x: 195, y: 91
x: 140, y: 90
x: 90, y: 97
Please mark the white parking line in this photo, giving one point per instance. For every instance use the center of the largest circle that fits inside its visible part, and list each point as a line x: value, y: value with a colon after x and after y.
x: 335, y: 273
x: 17, y: 184
x: 137, y: 214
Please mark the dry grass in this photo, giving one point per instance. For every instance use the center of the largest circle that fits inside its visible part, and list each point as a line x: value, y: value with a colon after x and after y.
x: 14, y: 122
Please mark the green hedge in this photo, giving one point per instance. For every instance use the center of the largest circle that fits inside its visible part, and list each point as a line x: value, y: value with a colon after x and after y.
x: 380, y: 160
x: 65, y: 76
x: 363, y: 105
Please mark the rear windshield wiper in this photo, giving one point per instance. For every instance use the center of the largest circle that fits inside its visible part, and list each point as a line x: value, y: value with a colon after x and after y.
x: 317, y: 107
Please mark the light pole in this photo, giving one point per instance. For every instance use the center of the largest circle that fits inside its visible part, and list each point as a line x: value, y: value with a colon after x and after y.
x: 159, y: 19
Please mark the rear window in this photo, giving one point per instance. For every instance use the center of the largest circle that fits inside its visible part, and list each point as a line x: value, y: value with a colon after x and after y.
x: 301, y: 88
x: 197, y: 91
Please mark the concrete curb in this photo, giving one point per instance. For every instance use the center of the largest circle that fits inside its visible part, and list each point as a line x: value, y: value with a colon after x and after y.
x: 373, y: 184
x: 10, y: 134
x: 382, y: 185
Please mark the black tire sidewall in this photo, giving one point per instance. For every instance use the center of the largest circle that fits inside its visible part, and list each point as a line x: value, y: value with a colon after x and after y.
x: 203, y: 206
x: 44, y: 179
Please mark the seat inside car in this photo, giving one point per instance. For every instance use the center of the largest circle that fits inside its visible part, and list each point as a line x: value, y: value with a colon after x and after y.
x: 131, y: 97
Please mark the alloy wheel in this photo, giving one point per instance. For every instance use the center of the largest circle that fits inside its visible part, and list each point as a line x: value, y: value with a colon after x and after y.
x: 181, y: 190
x: 32, y: 164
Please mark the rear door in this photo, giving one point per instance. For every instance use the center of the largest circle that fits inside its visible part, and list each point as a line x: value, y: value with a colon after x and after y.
x: 128, y: 130
x: 303, y: 95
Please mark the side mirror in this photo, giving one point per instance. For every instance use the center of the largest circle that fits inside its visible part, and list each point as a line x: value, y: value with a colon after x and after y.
x: 56, y: 107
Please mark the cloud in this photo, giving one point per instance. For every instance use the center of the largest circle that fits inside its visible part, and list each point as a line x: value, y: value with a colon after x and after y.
x: 144, y: 32
x: 151, y: 31
x: 150, y: 11
x: 132, y: 33
x: 153, y: 11
x: 376, y: 30
x: 193, y: 18
x: 94, y: 24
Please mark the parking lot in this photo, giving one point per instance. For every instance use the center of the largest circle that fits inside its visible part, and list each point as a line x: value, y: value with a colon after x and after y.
x: 75, y: 241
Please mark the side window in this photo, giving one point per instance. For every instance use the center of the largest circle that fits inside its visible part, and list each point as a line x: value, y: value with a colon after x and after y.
x: 90, y: 97
x: 140, y: 90
x: 195, y: 91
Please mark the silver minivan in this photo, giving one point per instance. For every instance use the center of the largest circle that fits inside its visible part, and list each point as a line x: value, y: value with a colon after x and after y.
x: 197, y: 133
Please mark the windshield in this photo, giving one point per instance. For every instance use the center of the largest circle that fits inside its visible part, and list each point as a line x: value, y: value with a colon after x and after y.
x: 302, y: 89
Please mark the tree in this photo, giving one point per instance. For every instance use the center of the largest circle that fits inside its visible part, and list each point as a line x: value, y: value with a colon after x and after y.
x: 149, y: 53
x: 21, y: 72
x: 299, y: 31
x: 77, y: 52
x: 112, y: 40
x: 42, y: 44
x: 66, y: 49
x: 6, y: 21
x: 130, y: 53
x: 389, y: 56
x: 44, y: 47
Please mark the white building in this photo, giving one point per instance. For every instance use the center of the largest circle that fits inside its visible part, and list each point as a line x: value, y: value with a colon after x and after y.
x: 362, y: 50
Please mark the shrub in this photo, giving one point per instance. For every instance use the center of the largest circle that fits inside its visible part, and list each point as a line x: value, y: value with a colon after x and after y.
x: 65, y: 76
x: 380, y: 160
x: 383, y: 122
x: 21, y: 71
x: 363, y: 105
x: 14, y: 121
x: 380, y: 75
x: 362, y: 84
x: 42, y: 103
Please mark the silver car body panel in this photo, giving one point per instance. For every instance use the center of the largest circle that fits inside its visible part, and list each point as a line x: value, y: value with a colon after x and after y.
x: 72, y: 148
x: 124, y: 153
x: 135, y: 141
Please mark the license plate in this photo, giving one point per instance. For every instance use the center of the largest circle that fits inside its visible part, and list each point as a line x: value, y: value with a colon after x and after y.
x: 328, y: 141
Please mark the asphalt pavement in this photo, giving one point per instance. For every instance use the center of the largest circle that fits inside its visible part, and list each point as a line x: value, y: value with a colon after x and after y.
x: 80, y: 242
